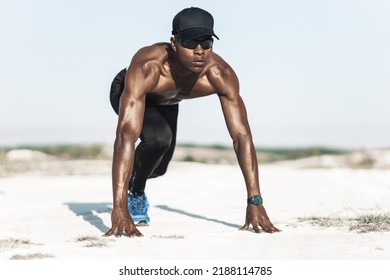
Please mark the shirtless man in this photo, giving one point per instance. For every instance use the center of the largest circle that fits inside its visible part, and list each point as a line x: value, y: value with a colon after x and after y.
x: 146, y: 97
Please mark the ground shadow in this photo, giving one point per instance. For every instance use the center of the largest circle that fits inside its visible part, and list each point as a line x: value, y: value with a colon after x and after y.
x: 89, y: 212
x: 196, y: 216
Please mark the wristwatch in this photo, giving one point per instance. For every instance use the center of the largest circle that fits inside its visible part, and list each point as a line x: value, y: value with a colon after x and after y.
x: 256, y: 200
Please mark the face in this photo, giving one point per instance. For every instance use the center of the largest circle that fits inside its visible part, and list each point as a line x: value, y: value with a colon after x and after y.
x: 193, y: 54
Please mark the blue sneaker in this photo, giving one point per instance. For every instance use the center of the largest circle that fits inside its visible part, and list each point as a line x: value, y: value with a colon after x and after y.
x: 138, y: 207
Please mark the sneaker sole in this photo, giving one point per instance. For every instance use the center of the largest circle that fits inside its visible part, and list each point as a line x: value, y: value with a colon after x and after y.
x: 142, y: 224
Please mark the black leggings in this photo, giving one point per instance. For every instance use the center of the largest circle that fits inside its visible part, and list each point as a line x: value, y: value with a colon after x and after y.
x: 158, y: 138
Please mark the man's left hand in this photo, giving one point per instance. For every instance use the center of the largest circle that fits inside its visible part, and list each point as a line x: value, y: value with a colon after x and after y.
x: 257, y: 217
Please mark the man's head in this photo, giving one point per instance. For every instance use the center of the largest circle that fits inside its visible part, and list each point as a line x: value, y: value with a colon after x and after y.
x: 193, y: 30
x: 192, y: 23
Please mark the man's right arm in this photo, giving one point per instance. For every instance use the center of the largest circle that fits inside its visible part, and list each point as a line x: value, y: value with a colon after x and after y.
x: 128, y: 130
x: 138, y: 81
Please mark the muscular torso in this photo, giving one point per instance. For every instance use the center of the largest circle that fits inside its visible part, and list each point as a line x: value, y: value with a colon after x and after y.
x: 167, y: 92
x: 171, y: 86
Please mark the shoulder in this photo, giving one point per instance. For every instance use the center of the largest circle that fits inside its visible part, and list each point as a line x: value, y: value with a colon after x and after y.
x: 145, y: 69
x: 150, y: 57
x: 147, y: 65
x: 222, y: 76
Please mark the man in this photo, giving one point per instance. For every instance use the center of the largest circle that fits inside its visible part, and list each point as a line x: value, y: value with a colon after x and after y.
x: 158, y: 78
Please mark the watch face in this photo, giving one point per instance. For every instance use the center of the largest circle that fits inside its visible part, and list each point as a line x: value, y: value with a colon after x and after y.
x: 257, y: 200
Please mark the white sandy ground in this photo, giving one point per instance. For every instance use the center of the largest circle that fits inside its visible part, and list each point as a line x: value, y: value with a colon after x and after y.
x: 196, y: 211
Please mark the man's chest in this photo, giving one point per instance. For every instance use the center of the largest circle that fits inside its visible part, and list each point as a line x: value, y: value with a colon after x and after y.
x: 167, y: 88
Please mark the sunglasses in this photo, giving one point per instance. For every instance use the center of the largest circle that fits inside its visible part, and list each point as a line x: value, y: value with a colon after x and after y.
x: 193, y: 43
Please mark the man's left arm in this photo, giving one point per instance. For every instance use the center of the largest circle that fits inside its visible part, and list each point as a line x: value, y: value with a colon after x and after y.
x: 237, y: 123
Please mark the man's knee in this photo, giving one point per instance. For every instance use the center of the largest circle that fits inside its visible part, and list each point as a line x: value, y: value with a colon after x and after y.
x: 159, y: 145
x: 158, y: 172
x: 157, y: 141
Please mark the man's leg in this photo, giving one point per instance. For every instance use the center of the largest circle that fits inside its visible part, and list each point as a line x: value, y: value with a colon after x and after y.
x: 158, y: 135
x: 170, y: 114
x: 158, y: 139
x: 152, y: 155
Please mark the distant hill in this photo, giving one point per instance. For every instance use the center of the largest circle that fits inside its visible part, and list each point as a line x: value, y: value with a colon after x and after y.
x: 183, y: 152
x: 96, y: 158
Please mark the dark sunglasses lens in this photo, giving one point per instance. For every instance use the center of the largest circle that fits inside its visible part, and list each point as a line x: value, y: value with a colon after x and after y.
x: 189, y: 44
x: 192, y: 44
x: 207, y: 44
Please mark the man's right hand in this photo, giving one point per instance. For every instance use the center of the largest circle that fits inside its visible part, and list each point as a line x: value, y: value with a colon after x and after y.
x: 122, y: 222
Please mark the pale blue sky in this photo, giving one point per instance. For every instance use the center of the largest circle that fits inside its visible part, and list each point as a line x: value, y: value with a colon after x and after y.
x: 311, y: 72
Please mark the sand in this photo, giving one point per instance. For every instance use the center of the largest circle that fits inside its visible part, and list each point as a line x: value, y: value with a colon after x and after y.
x: 53, y: 213
x: 196, y: 211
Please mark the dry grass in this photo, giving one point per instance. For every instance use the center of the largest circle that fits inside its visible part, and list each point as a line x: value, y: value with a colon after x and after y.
x: 364, y: 223
x: 173, y: 236
x: 323, y: 221
x: 31, y: 256
x: 11, y: 243
x: 93, y: 241
x: 371, y: 223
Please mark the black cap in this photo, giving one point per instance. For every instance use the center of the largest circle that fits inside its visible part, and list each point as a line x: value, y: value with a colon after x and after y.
x: 193, y: 22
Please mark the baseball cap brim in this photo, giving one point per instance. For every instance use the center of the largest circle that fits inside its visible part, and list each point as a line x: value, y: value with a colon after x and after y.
x: 196, y: 32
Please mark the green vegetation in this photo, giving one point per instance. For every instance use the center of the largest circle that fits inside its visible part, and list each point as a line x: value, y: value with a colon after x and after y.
x: 272, y: 154
x: 211, y: 146
x: 99, y: 151
x: 189, y: 158
x: 66, y: 151
x: 296, y: 153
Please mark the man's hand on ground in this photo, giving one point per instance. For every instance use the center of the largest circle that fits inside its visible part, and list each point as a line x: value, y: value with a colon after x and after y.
x: 122, y: 222
x: 257, y: 217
